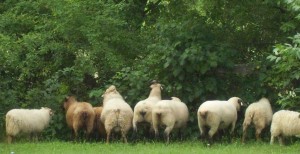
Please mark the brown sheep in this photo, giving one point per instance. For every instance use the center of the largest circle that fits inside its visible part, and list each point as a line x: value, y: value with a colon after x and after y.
x: 79, y: 115
x: 99, y: 128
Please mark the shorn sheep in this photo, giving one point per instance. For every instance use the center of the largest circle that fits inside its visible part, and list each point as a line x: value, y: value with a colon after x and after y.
x: 116, y: 114
x: 173, y: 114
x: 99, y: 128
x: 27, y: 121
x: 260, y: 114
x: 143, y: 109
x: 79, y: 115
x: 217, y: 115
x: 284, y: 123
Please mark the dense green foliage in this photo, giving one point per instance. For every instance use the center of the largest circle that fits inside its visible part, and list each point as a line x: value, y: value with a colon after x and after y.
x: 198, y: 49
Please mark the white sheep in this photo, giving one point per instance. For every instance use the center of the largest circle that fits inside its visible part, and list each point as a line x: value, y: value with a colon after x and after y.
x: 260, y: 114
x: 116, y: 114
x: 218, y: 115
x: 173, y: 114
x: 285, y: 123
x: 27, y: 121
x: 143, y: 109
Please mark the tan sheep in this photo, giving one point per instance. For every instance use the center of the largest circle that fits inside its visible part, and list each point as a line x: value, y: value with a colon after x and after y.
x: 284, y: 123
x: 218, y: 115
x: 260, y: 114
x: 79, y: 115
x: 26, y: 121
x: 143, y: 109
x: 116, y: 114
x: 173, y: 114
x: 99, y: 128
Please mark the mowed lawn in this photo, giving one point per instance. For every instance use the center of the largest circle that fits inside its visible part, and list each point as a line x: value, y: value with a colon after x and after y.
x: 188, y: 147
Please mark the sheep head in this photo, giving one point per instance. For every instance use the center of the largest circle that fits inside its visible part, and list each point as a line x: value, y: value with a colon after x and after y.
x: 175, y: 99
x: 49, y: 110
x: 68, y: 101
x: 111, y: 92
x: 237, y: 102
x: 156, y: 90
x: 154, y: 85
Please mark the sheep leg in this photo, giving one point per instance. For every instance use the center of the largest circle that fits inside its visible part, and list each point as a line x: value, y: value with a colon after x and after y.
x: 108, y: 132
x: 151, y: 131
x: 232, y: 127
x: 203, y: 132
x: 201, y: 125
x: 257, y: 134
x: 9, y: 139
x: 180, y: 134
x: 168, y: 131
x: 75, y: 136
x: 89, y: 128
x: 134, y: 125
x: 272, y: 139
x: 245, y: 127
x: 155, y: 126
x: 280, y: 139
x: 34, y: 137
x: 123, y: 133
x: 212, y: 132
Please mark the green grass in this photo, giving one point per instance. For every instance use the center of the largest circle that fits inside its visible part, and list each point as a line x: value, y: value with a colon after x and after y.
x: 189, y: 147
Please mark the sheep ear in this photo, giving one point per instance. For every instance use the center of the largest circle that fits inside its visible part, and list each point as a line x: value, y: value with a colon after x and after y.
x: 161, y: 86
x: 66, y: 98
x: 153, y: 82
x: 299, y: 116
x: 240, y: 101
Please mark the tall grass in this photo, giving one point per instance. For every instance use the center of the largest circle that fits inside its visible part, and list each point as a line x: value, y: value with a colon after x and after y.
x: 189, y: 147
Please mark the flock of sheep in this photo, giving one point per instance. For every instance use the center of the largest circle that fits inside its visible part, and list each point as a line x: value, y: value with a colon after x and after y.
x: 117, y: 116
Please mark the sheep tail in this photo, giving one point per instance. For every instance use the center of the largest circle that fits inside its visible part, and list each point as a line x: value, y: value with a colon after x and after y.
x: 84, y: 115
x: 251, y: 116
x: 158, y: 116
x: 204, y: 114
x: 117, y: 112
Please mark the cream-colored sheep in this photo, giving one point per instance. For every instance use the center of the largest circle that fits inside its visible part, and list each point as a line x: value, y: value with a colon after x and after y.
x: 26, y: 121
x: 260, y: 114
x: 99, y: 128
x: 116, y: 114
x: 218, y: 115
x: 284, y: 123
x: 79, y: 115
x: 173, y: 114
x: 143, y: 109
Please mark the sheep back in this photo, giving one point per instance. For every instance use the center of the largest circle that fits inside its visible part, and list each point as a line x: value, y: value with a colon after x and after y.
x: 260, y: 113
x: 212, y: 113
x: 80, y: 114
x: 171, y: 111
x: 285, y: 123
x: 116, y: 112
x: 146, y: 107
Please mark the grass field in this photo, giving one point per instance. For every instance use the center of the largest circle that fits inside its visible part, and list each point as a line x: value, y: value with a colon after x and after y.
x: 189, y: 147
